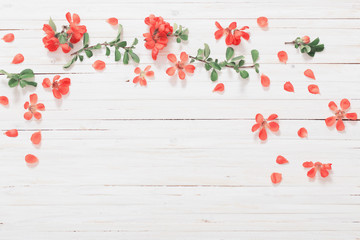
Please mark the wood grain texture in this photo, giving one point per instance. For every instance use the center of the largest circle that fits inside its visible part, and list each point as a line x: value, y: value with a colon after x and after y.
x: 174, y: 160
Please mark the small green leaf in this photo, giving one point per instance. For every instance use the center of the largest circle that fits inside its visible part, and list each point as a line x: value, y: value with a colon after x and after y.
x: 175, y: 26
x: 254, y: 55
x: 319, y: 48
x: 13, y: 82
x: 238, y: 58
x: 200, y: 53
x: 184, y: 37
x: 52, y: 24
x: 229, y: 53
x: 126, y: 58
x: 27, y: 73
x: 241, y: 63
x: 120, y: 28
x: 88, y: 53
x: 135, y: 42
x: 178, y: 40
x: 22, y: 83
x: 244, y: 74
x: 214, y: 75
x: 31, y: 83
x: 107, y: 51
x: 134, y: 56
x: 62, y: 39
x: 97, y: 46
x: 117, y: 55
x: 315, y: 42
x: 70, y: 62
x: 215, y: 65
x: 122, y: 44
x: 307, y: 48
x: 86, y: 39
x: 312, y: 53
x: 206, y: 51
x: 257, y: 67
x: 207, y: 66
x: 81, y: 57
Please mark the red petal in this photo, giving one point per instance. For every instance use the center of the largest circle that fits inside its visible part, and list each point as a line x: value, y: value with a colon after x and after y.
x: 232, y: 25
x: 189, y: 68
x: 19, y: 58
x: 98, y: 65
x: 219, y: 88
x: 171, y: 71
x: 172, y: 58
x: 262, y: 22
x: 314, y: 89
x: 184, y: 57
x: 276, y: 177
x: 46, y: 83
x: 302, y: 133
x: 324, y: 172
x: 65, y: 48
x: 136, y: 79
x: 255, y: 127
x: 12, y: 133
x: 28, y: 115
x: 272, y: 117
x: 219, y: 33
x: 33, y: 98
x: 31, y: 159
x: 113, y: 21
x: 311, y: 173
x: 340, y: 125
x: 259, y: 118
x: 8, y: 37
x: 36, y: 137
x: 265, y: 81
x: 229, y: 39
x: 281, y: 160
x: 330, y: 121
x: 308, y: 164
x: 137, y: 70
x: 273, y: 126
x: 143, y: 82
x: 4, y: 100
x: 351, y: 116
x: 309, y: 73
x: 327, y: 166
x: 333, y: 106
x: 76, y: 18
x: 181, y: 74
x: 283, y: 57
x: 344, y: 104
x: 57, y: 93
x: 218, y: 25
x: 149, y: 73
x: 263, y: 134
x: 37, y: 115
x: 68, y: 17
x: 288, y: 87
x: 40, y: 107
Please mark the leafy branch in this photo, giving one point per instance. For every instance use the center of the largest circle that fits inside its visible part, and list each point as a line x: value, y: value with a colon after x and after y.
x: 309, y: 48
x: 233, y: 62
x: 20, y: 78
x: 181, y: 33
x: 117, y: 43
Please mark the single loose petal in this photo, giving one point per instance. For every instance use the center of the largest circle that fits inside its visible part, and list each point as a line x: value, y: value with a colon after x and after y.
x: 309, y: 73
x: 302, y: 133
x: 340, y: 125
x: 288, y: 87
x: 219, y: 88
x: 113, y: 21
x: 262, y: 22
x: 36, y: 137
x: 12, y: 133
x: 330, y: 121
x: 344, y: 104
x: 314, y: 89
x: 276, y: 177
x: 283, y: 57
x: 4, y: 100
x: 19, y: 58
x: 99, y: 65
x: 31, y: 159
x: 265, y: 80
x: 8, y: 37
x: 281, y: 160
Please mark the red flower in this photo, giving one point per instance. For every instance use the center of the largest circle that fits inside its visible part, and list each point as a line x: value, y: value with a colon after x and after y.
x: 59, y: 87
x: 157, y: 37
x: 340, y: 114
x: 323, y: 167
x: 233, y: 35
x: 50, y: 41
x: 142, y: 74
x: 180, y: 65
x: 33, y: 108
x: 263, y: 124
x: 75, y: 31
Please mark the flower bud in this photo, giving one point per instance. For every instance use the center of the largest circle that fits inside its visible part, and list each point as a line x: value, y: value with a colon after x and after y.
x: 306, y: 39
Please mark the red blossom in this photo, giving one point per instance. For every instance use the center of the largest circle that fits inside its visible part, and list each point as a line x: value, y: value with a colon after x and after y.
x: 181, y: 66
x: 33, y: 107
x: 59, y: 87
x: 76, y: 31
x: 8, y: 37
x: 323, y: 167
x: 142, y: 74
x: 306, y: 39
x: 233, y: 35
x: 50, y: 41
x: 262, y: 124
x: 157, y: 37
x: 340, y: 114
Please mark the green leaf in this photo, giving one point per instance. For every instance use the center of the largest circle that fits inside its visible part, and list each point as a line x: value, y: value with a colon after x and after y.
x: 307, y: 48
x: 70, y: 62
x: 31, y: 83
x: 244, y: 74
x: 52, y: 24
x: 214, y: 75
x: 13, y: 82
x: 134, y: 56
x: 88, y: 53
x: 120, y: 28
x: 178, y: 40
x: 257, y: 67
x: 200, y: 53
x: 175, y: 26
x: 81, y: 57
x: 62, y: 39
x: 184, y: 37
x: 117, y: 55
x: 238, y: 58
x: 254, y: 55
x: 97, y: 46
x: 126, y: 58
x: 315, y: 42
x: 107, y: 51
x: 229, y: 53
x: 215, y: 65
x: 86, y: 39
x: 122, y: 44
x: 312, y: 53
x: 319, y: 48
x: 206, y: 51
x: 4, y: 72
x: 135, y: 42
x: 241, y: 63
x: 22, y: 83
x: 27, y: 73
x: 207, y: 66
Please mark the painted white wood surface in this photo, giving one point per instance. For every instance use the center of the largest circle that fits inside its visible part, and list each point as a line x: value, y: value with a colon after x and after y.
x: 174, y: 160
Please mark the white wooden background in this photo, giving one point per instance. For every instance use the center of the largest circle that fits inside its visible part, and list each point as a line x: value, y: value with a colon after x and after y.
x: 174, y: 160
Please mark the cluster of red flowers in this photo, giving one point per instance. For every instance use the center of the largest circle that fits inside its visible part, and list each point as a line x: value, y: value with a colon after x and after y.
x: 233, y: 35
x: 69, y: 35
x: 157, y: 37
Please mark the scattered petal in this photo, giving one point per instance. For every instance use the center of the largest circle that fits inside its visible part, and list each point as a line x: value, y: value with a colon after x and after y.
x: 98, y: 65
x: 302, y: 133
x: 8, y: 37
x: 281, y: 160
x: 12, y: 133
x: 31, y: 160
x: 309, y: 73
x: 288, y: 87
x: 36, y: 137
x: 276, y: 177
x: 113, y: 21
x: 219, y: 88
x: 4, y: 100
x: 314, y: 89
x: 283, y: 57
x: 265, y: 81
x: 262, y: 22
x: 19, y: 58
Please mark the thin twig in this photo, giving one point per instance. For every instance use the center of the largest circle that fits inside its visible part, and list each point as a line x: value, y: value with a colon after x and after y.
x: 204, y: 61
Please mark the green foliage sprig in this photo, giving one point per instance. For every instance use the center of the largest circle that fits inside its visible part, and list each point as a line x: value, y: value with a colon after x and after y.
x: 117, y: 44
x: 233, y: 62
x: 21, y: 78
x: 310, y: 48
x: 181, y: 33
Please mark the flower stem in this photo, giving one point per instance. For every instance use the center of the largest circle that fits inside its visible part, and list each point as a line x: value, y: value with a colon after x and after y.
x: 102, y: 44
x: 204, y: 61
x: 293, y: 42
